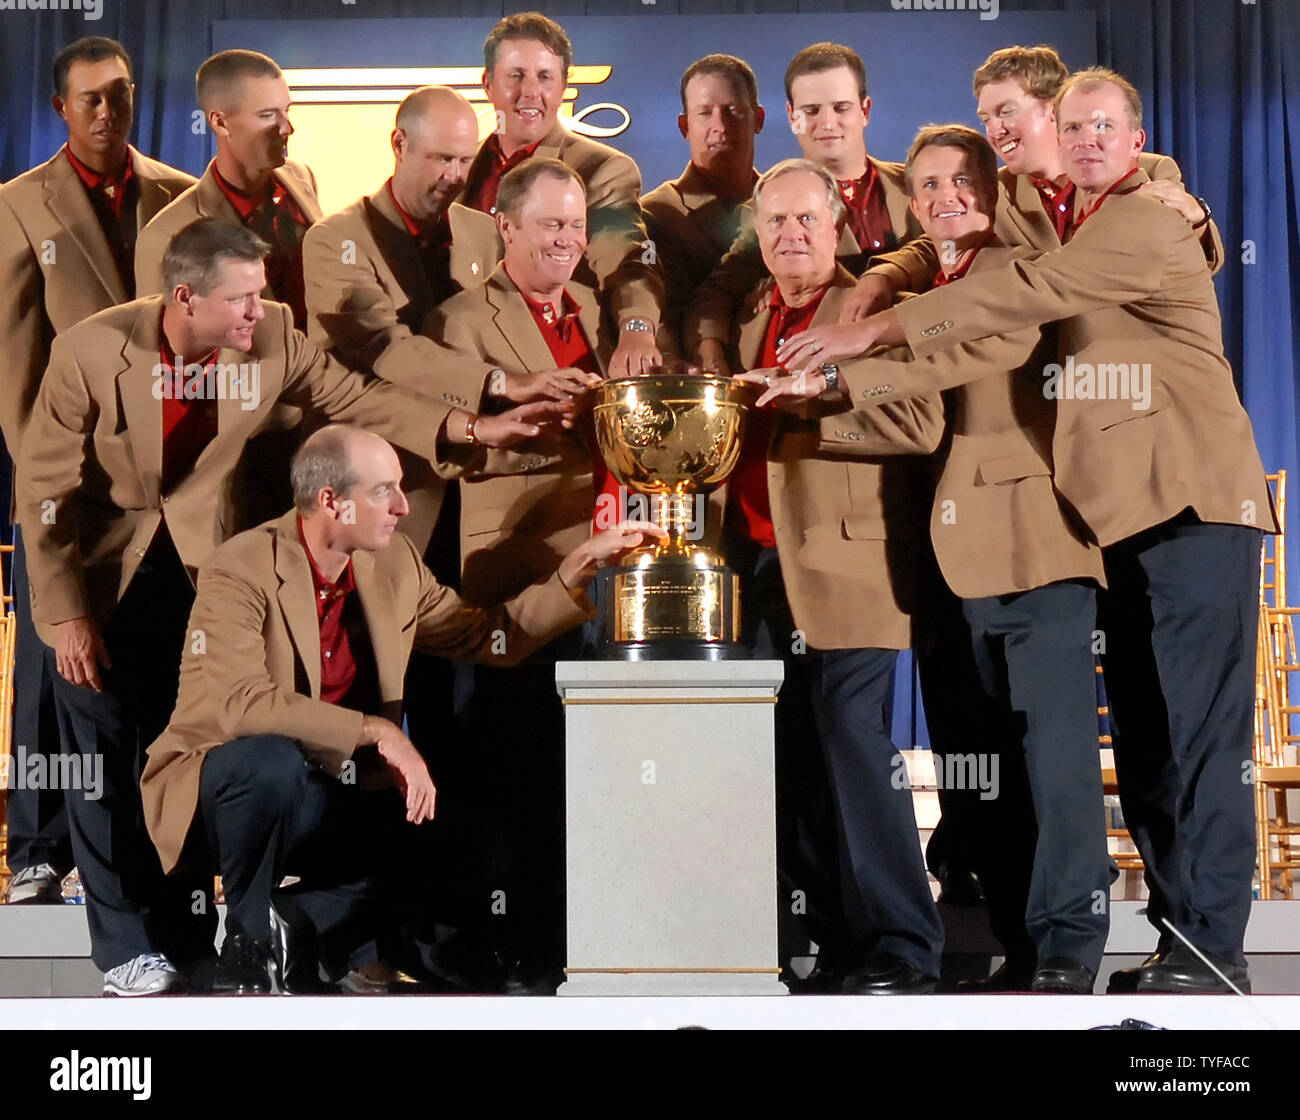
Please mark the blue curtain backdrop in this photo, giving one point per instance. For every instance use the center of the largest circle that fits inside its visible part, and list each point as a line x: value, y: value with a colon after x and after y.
x: 1220, y: 78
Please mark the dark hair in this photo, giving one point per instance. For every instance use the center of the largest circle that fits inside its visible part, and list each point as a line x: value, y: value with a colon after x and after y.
x: 1039, y: 69
x: 1096, y: 76
x: 976, y: 147
x: 528, y: 25
x: 735, y: 70
x: 518, y: 181
x: 825, y: 56
x: 225, y: 70
x: 195, y: 253
x: 93, y: 48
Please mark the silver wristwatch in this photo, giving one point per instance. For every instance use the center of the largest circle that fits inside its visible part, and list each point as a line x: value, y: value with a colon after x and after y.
x: 831, y: 372
x: 638, y: 325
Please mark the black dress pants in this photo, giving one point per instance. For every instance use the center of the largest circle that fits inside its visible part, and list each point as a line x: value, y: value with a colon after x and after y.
x: 1180, y: 617
x: 131, y: 907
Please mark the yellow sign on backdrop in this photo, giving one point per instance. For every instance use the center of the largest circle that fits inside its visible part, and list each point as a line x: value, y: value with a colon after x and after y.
x: 343, y: 117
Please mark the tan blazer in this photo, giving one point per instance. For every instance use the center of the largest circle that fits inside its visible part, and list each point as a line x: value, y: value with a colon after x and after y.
x: 850, y: 528
x: 691, y: 229
x: 1021, y: 219
x: 998, y: 525
x: 1133, y: 293
x: 257, y: 668
x: 56, y: 268
x: 616, y: 262
x: 205, y: 199
x: 368, y: 296
x: 89, y: 474
x: 714, y: 303
x: 527, y: 508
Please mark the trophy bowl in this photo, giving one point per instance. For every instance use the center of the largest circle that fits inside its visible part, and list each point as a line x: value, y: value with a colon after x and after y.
x: 673, y: 438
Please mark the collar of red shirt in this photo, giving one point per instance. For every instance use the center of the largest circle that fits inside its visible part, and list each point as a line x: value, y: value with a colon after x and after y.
x: 776, y: 301
x: 856, y: 191
x: 325, y: 591
x: 440, y: 232
x: 169, y: 358
x: 99, y: 180
x: 1081, y: 218
x: 493, y: 145
x: 943, y: 278
x: 545, y: 312
x: 244, y: 203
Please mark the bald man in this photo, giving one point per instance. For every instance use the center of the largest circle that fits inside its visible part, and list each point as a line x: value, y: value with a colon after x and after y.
x: 285, y: 743
x: 377, y: 268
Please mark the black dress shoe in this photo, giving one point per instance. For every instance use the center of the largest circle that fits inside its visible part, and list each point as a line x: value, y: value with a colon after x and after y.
x: 1060, y: 974
x: 885, y: 974
x: 825, y: 979
x: 1124, y: 981
x: 1181, y: 970
x: 244, y: 967
x: 1008, y: 977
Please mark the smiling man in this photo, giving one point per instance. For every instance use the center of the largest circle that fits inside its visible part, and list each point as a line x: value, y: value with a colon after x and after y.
x: 526, y: 61
x: 124, y: 489
x: 67, y: 237
x: 1015, y: 89
x: 275, y: 774
x: 828, y: 108
x: 826, y: 547
x: 1169, y: 484
x: 694, y: 219
x: 530, y: 333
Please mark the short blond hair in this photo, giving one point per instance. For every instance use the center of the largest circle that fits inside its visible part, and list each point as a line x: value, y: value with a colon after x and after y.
x: 1038, y: 69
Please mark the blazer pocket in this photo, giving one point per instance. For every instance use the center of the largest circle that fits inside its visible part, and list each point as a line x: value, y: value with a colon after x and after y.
x: 1011, y: 468
x: 860, y: 528
x: 1105, y: 415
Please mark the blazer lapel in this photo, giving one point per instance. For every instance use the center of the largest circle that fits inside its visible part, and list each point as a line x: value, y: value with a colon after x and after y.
x: 895, y: 202
x: 1026, y: 211
x: 153, y: 197
x: 377, y: 603
x: 589, y: 319
x: 750, y: 343
x: 135, y: 389
x: 401, y: 252
x: 67, y: 201
x: 512, y: 318
x: 552, y: 143
x: 295, y: 596
x: 468, y: 268
x: 300, y: 193
x: 210, y: 200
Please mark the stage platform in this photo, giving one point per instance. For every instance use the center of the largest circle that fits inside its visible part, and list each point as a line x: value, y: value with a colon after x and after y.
x: 44, y: 952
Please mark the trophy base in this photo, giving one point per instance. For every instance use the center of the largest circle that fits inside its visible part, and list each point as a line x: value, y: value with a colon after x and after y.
x: 673, y: 608
x: 673, y: 649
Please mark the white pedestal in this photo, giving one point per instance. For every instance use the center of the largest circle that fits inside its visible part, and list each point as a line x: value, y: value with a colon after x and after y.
x: 670, y: 821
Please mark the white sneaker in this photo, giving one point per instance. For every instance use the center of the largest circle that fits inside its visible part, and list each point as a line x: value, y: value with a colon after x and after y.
x: 146, y: 975
x: 38, y: 883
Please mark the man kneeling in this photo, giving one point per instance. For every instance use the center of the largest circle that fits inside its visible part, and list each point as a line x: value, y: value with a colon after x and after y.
x: 287, y: 722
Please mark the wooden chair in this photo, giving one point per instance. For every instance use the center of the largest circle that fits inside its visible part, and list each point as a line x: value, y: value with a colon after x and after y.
x: 1275, y: 754
x: 8, y: 631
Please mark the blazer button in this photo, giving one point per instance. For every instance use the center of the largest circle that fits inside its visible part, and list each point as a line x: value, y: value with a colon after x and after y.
x: 139, y: 552
x: 473, y: 267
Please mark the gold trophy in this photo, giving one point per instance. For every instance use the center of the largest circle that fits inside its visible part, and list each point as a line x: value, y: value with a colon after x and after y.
x: 673, y: 438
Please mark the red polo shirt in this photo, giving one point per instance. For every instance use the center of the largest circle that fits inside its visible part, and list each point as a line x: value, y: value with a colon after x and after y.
x: 189, y: 415
x: 562, y: 332
x: 942, y: 279
x: 749, y: 506
x: 1058, y: 202
x: 347, y: 665
x: 868, y: 215
x: 482, y: 195
x: 278, y: 221
x: 114, y: 198
x: 435, y: 249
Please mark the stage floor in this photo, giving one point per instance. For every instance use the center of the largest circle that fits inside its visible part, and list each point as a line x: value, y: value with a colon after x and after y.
x: 983, y: 1013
